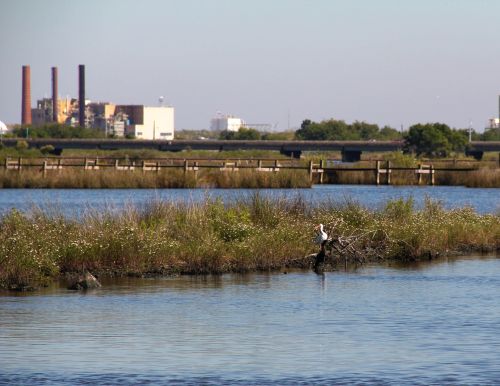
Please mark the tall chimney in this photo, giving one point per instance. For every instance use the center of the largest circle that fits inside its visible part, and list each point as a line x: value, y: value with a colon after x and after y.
x: 81, y: 95
x: 26, y: 98
x: 55, y: 104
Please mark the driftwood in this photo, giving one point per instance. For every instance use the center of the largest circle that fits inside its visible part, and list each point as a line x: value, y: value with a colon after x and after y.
x: 354, y: 247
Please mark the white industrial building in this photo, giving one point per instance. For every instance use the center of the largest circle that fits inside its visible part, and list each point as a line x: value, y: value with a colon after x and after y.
x: 148, y: 122
x: 3, y: 128
x: 226, y: 123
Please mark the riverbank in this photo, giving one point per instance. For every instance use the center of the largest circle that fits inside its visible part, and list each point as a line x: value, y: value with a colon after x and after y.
x: 255, y: 234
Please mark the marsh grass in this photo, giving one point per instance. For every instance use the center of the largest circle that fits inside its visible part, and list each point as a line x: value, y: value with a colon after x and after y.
x: 252, y: 234
x: 171, y: 178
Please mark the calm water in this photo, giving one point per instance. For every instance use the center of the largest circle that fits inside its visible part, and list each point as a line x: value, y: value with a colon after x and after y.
x: 429, y: 324
x: 75, y: 201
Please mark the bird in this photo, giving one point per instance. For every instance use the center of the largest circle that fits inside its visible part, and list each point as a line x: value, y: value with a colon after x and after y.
x: 321, y: 236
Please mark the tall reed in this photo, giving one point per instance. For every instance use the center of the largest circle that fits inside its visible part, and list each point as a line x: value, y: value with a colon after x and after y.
x: 170, y: 178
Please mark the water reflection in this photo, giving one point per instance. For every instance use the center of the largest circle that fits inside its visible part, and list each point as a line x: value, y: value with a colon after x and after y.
x: 422, y: 323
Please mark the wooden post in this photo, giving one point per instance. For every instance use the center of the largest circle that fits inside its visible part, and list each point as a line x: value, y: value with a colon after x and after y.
x: 419, y: 174
x: 44, y: 169
x: 85, y: 164
x: 157, y: 166
x: 59, y: 165
x: 431, y: 172
x: 143, y: 166
x: 6, y: 164
x: 310, y: 170
x: 185, y: 166
x: 259, y: 164
x: 19, y: 163
x: 116, y: 164
x: 321, y: 166
x: 195, y: 170
x: 377, y: 172
x: 388, y: 171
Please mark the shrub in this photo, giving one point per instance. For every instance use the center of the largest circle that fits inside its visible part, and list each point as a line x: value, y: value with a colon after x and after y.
x: 46, y: 149
x: 22, y: 145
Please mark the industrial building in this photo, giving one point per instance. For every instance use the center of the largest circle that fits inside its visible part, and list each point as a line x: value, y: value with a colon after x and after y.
x: 135, y: 121
x: 226, y: 123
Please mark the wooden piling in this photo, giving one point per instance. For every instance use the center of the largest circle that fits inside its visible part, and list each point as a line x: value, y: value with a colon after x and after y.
x: 377, y: 172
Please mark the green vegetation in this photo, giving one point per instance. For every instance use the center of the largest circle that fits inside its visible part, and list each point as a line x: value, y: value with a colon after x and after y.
x: 491, y: 134
x: 55, y: 130
x: 243, y: 134
x: 255, y: 234
x: 435, y: 140
x: 336, y: 130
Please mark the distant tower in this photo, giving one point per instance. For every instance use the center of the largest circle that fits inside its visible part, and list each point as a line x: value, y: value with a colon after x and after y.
x: 81, y: 95
x: 26, y: 98
x: 55, y: 105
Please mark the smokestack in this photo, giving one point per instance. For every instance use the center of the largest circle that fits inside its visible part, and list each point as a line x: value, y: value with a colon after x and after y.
x: 81, y: 95
x: 55, y: 104
x: 26, y: 98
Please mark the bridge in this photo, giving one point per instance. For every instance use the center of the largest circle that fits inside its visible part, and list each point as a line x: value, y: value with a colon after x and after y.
x: 350, y: 150
x: 477, y: 149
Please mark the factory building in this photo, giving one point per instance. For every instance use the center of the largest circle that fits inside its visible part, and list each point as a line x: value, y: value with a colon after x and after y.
x: 148, y: 122
x: 226, y: 123
x: 137, y: 121
x: 44, y: 113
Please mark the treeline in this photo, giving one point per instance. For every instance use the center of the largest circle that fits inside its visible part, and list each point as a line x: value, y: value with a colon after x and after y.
x: 431, y: 139
x: 55, y: 130
x: 337, y: 130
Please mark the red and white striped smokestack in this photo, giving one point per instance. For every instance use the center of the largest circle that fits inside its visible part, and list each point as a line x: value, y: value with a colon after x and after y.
x: 81, y: 95
x: 26, y: 97
x: 55, y: 104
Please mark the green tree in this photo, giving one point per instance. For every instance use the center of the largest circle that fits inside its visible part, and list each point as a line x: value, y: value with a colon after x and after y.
x: 337, y: 130
x: 491, y: 134
x: 56, y: 130
x: 243, y: 134
x: 434, y: 139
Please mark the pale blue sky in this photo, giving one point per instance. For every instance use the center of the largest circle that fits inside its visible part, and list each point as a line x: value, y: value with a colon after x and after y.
x: 386, y: 61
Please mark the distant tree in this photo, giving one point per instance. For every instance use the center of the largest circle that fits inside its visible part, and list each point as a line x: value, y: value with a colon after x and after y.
x: 244, y: 134
x: 389, y: 134
x: 56, y: 130
x: 338, y: 130
x: 491, y: 134
x: 278, y: 136
x: 434, y: 139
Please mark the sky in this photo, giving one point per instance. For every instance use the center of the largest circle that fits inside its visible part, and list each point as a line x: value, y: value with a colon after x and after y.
x: 390, y: 62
